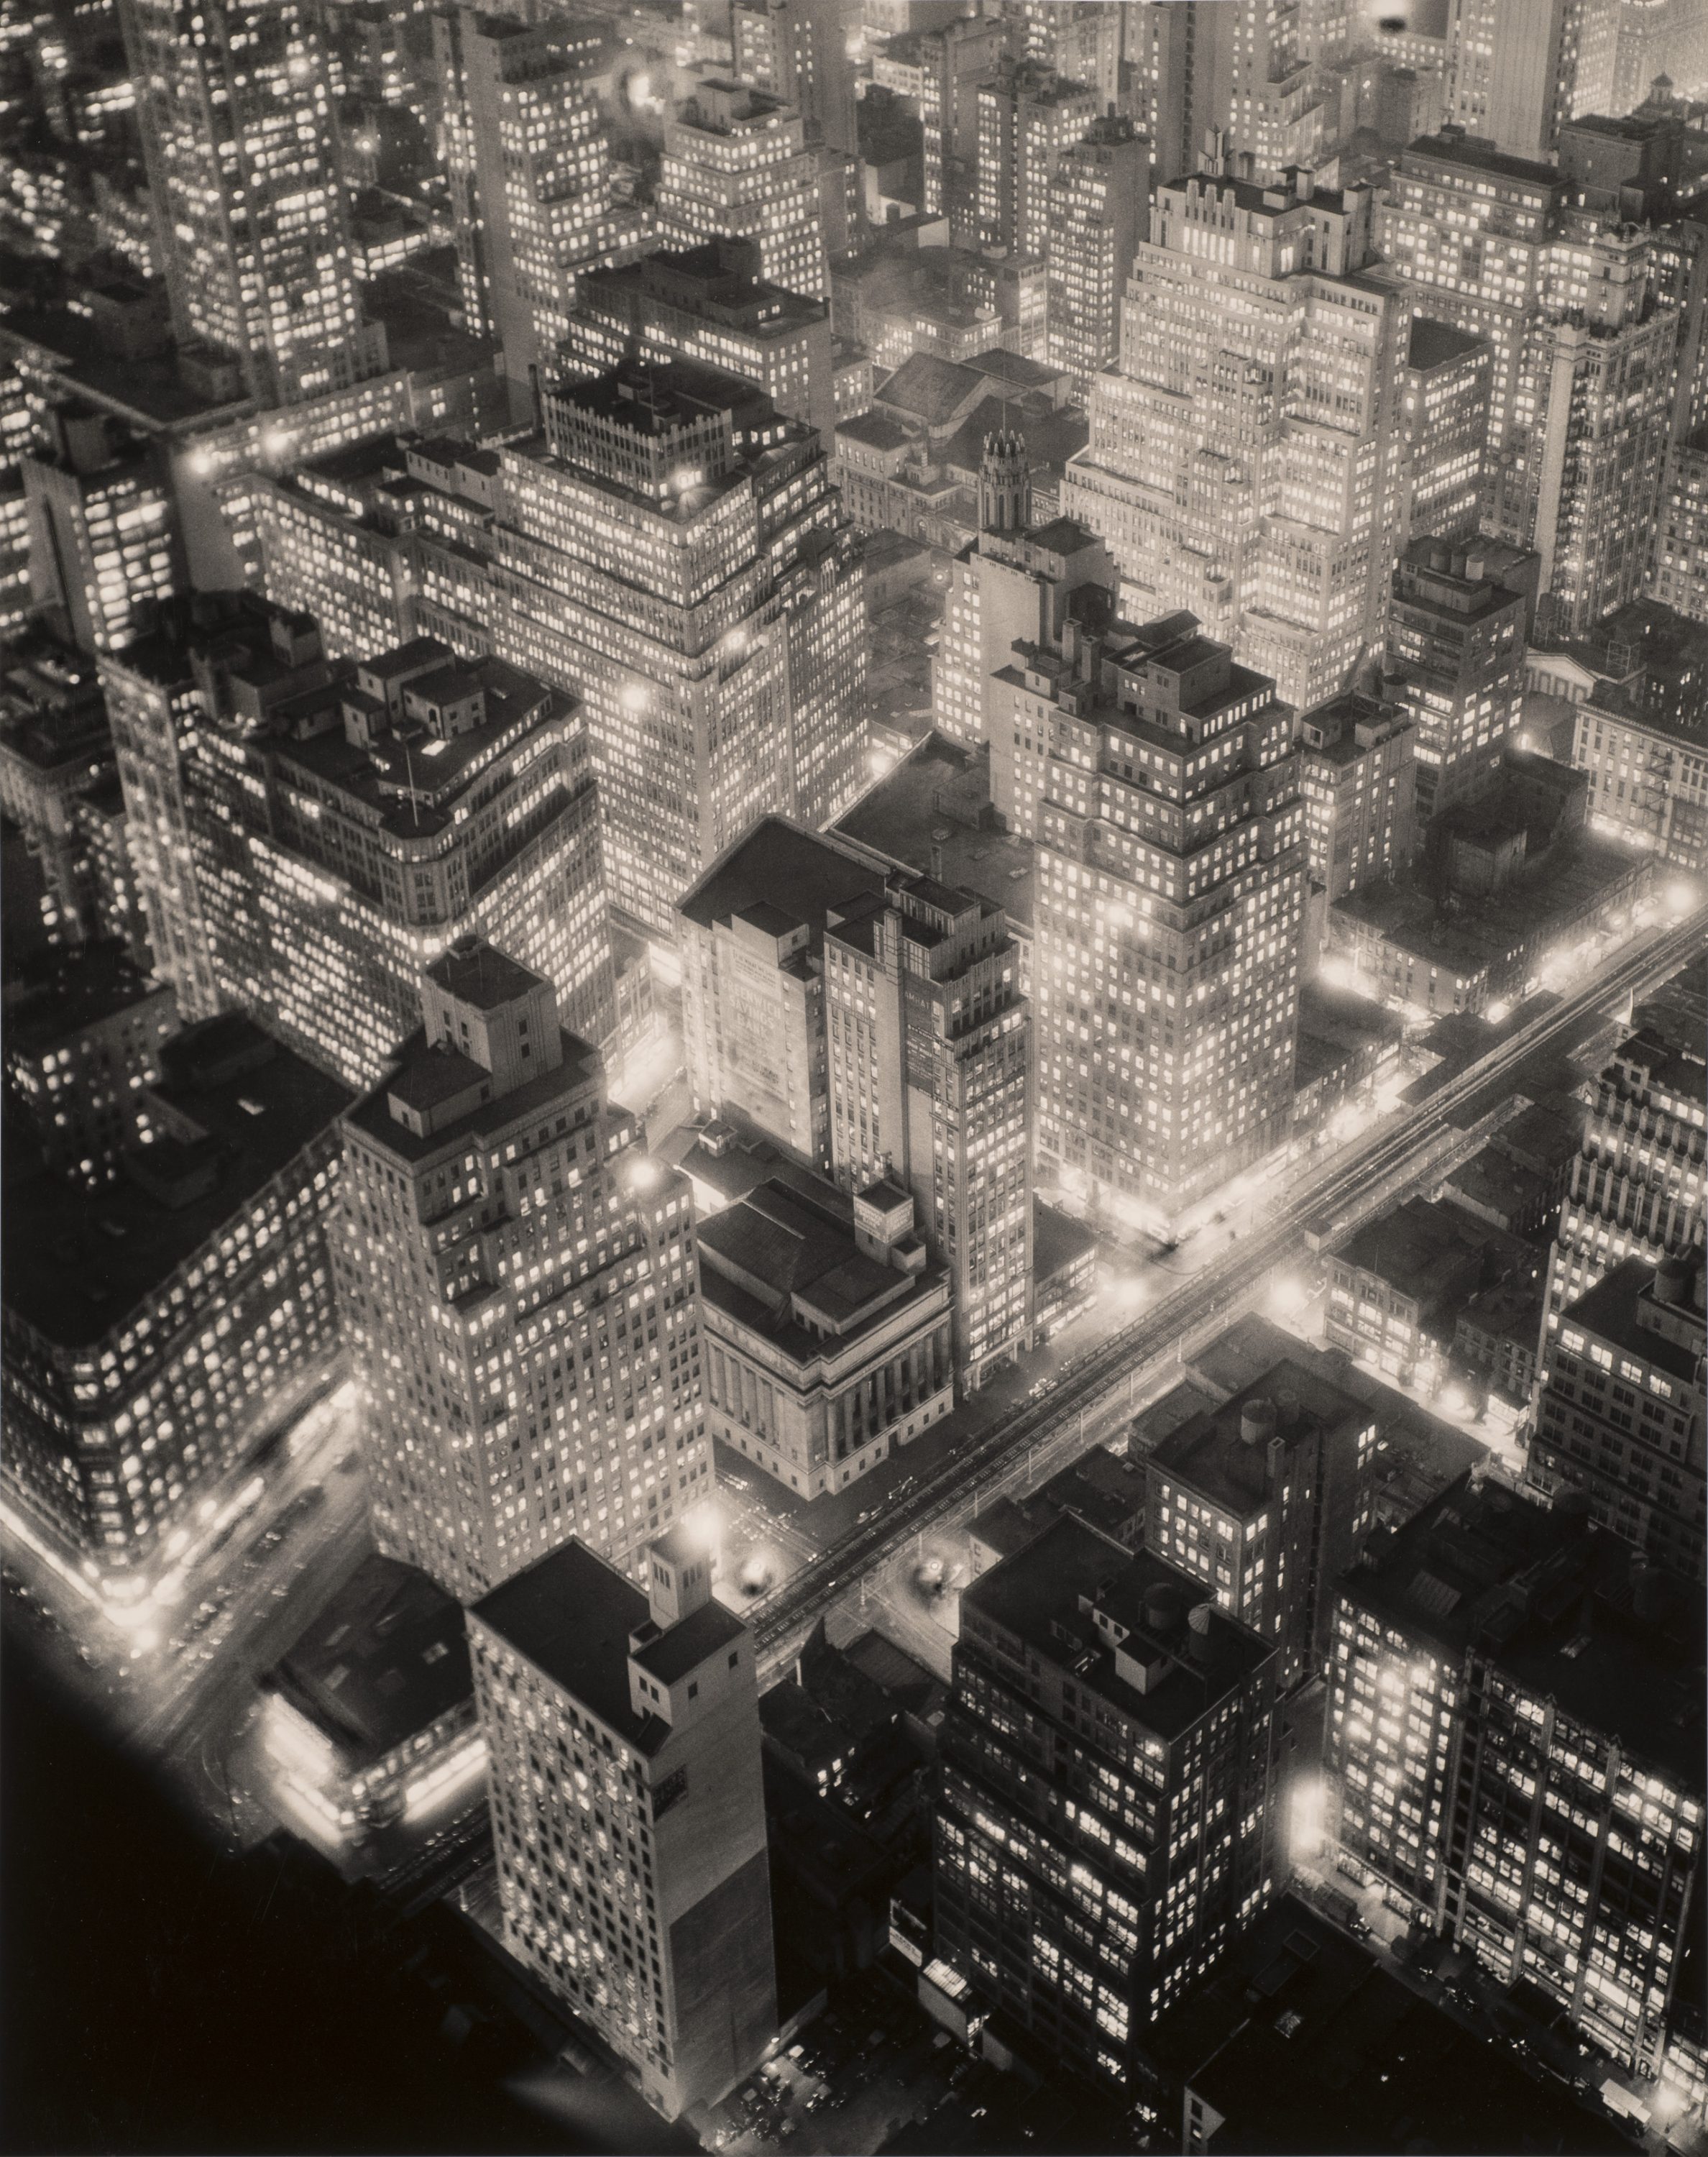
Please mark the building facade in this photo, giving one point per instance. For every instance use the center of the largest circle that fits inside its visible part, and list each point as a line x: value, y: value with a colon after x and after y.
x: 528, y: 159
x: 1170, y: 909
x: 751, y: 933
x: 1027, y: 115
x: 736, y: 162
x: 143, y: 1368
x: 1224, y: 476
x: 520, y: 1293
x: 1358, y: 773
x: 1099, y: 208
x: 251, y: 230
x: 930, y: 1088
x: 1622, y: 1414
x: 1514, y: 1753
x: 1648, y: 774
x: 1105, y: 1825
x: 622, y: 1732
x: 828, y: 1343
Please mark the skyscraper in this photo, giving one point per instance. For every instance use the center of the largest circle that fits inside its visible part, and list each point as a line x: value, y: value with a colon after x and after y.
x: 622, y: 1730
x: 1521, y: 69
x: 1637, y: 1189
x: 798, y: 51
x: 240, y: 140
x: 529, y: 163
x: 1012, y: 584
x: 1099, y: 200
x: 520, y: 1293
x: 1583, y: 331
x: 1358, y: 773
x: 1105, y: 1824
x: 330, y: 833
x: 1226, y: 476
x: 930, y: 1087
x: 1458, y: 623
x: 1265, y: 1501
x: 1515, y: 1753
x: 1182, y: 55
x: 672, y: 550
x: 953, y: 62
x: 156, y: 1329
x: 1282, y: 112
x: 1622, y: 1412
x: 751, y: 933
x: 1171, y: 859
x: 736, y: 162
x: 1027, y: 115
x: 103, y: 537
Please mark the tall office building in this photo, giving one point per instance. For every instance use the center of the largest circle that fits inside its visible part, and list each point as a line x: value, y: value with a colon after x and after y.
x: 954, y: 60
x: 736, y: 162
x: 529, y: 164
x: 1584, y: 334
x: 1678, y: 573
x: 1283, y: 112
x: 1458, y: 623
x: 1636, y: 1188
x: 1223, y: 477
x: 751, y: 935
x: 1105, y: 1824
x: 622, y: 1732
x: 672, y: 550
x: 1027, y: 116
x: 155, y: 1328
x: 1265, y: 1501
x: 1099, y: 205
x: 1521, y: 69
x: 102, y: 529
x: 307, y: 841
x: 1515, y: 1753
x: 1622, y: 1412
x: 1013, y: 585
x: 1358, y: 772
x: 930, y: 1087
x: 799, y: 50
x: 1182, y: 58
x: 520, y: 1293
x: 239, y: 135
x: 708, y: 303
x: 1170, y: 870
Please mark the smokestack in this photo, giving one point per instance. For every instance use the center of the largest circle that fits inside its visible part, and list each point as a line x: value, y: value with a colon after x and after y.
x: 1198, y: 1631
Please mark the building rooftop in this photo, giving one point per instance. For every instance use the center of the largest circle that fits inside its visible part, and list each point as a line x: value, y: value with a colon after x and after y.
x: 424, y: 1073
x: 1434, y: 344
x: 877, y: 430
x: 1300, y: 2039
x: 1210, y: 1453
x: 572, y: 1616
x: 1452, y: 145
x: 1429, y: 1249
x: 1037, y: 1595
x: 800, y: 873
x: 80, y: 986
x: 386, y: 1654
x: 77, y: 1264
x: 931, y: 390
x: 481, y: 976
x: 934, y: 806
x: 790, y: 1268
x: 1611, y: 1311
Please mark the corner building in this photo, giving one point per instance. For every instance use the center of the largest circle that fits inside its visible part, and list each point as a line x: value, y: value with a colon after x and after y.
x: 1171, y: 872
x: 520, y: 1293
x: 622, y: 1734
x: 1104, y: 1828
